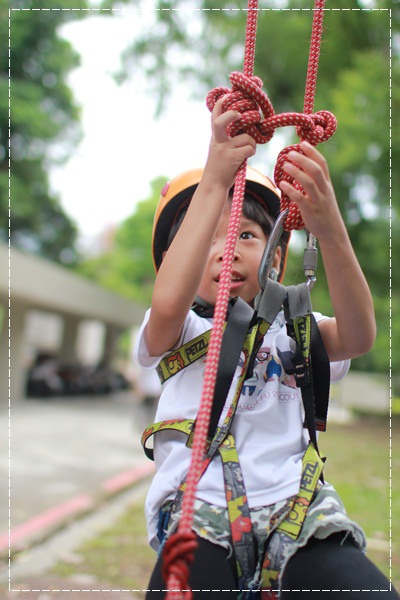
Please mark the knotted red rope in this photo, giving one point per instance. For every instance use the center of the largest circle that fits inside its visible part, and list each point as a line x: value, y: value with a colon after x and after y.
x: 324, y: 123
x: 259, y: 120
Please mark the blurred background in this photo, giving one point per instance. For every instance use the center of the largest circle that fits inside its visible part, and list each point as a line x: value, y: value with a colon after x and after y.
x: 99, y: 107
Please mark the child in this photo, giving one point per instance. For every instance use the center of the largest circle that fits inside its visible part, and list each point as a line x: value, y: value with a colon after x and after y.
x: 268, y: 426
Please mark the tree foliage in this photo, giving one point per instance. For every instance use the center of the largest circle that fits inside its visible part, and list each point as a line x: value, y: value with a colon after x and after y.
x: 353, y: 83
x: 44, y: 125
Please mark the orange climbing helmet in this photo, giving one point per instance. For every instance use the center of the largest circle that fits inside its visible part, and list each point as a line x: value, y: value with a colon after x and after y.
x: 177, y: 194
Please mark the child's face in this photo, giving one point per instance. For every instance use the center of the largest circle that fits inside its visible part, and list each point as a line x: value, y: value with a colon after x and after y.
x: 248, y: 253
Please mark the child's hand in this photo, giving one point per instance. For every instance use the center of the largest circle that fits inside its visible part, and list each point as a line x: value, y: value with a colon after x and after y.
x: 226, y: 154
x: 318, y: 207
x: 352, y: 331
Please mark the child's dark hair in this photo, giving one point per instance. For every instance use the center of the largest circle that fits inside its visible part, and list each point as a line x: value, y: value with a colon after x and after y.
x: 253, y: 209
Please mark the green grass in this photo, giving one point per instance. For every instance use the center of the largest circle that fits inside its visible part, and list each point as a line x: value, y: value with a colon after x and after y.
x: 396, y: 405
x: 358, y: 466
x: 119, y: 555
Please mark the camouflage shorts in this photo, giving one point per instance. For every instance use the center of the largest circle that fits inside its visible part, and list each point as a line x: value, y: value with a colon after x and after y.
x: 325, y: 516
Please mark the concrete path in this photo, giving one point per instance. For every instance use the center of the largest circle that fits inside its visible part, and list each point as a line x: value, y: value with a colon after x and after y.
x: 65, y: 455
x: 28, y: 575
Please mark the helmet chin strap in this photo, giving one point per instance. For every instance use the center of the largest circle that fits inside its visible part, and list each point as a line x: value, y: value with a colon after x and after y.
x: 206, y: 310
x: 202, y: 308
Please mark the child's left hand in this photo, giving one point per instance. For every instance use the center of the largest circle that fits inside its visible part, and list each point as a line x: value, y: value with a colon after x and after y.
x: 352, y: 331
x: 319, y: 208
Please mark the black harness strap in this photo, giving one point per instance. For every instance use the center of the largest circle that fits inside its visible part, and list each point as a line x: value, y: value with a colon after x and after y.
x: 298, y: 298
x: 239, y: 323
x: 321, y: 376
x: 312, y: 379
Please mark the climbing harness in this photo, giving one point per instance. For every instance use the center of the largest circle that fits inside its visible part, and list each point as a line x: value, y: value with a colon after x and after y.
x: 242, y: 334
x: 247, y: 97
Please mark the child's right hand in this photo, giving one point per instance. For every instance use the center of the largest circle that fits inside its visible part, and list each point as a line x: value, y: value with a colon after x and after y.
x: 226, y: 154
x: 185, y: 262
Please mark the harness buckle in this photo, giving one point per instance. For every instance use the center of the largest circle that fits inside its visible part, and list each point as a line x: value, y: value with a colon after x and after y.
x: 302, y: 374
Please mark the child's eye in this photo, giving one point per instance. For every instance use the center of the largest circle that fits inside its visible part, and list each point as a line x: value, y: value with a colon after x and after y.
x: 246, y: 235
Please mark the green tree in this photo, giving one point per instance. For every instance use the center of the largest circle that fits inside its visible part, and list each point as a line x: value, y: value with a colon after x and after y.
x: 44, y: 125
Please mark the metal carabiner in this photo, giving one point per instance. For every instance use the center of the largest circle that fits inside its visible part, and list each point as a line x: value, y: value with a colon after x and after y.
x: 270, y: 249
x: 310, y: 256
x: 310, y: 259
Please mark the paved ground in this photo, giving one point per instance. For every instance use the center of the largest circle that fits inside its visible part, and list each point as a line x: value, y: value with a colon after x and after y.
x: 63, y: 448
x: 27, y: 577
x: 50, y: 588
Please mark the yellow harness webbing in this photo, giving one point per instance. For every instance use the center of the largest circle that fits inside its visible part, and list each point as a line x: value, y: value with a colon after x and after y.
x: 312, y: 465
x: 183, y: 356
x: 222, y: 441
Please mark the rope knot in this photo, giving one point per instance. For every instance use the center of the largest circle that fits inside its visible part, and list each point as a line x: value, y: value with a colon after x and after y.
x: 248, y: 98
x: 293, y: 219
x: 318, y: 128
x: 178, y: 554
x: 315, y: 128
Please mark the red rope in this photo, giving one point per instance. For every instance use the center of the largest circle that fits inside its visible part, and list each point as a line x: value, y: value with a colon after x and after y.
x: 247, y: 97
x: 313, y: 58
x: 260, y: 121
x: 324, y: 122
x: 178, y: 555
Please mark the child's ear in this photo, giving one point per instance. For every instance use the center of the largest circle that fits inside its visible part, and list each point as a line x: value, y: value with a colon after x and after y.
x: 277, y: 259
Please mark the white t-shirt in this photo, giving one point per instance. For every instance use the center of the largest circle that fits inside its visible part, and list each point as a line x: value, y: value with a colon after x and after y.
x: 267, y: 427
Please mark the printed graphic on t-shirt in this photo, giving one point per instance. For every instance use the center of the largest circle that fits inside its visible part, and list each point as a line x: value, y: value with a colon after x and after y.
x: 272, y: 380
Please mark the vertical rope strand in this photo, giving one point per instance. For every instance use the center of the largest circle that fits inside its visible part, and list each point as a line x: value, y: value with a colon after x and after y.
x: 251, y: 34
x: 313, y: 57
x: 221, y: 306
x: 177, y: 583
x: 294, y: 219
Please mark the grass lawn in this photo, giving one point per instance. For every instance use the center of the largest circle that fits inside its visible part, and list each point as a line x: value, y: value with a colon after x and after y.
x: 358, y: 466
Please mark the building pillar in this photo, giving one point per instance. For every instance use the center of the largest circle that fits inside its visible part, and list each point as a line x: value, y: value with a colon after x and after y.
x: 17, y: 363
x: 4, y: 357
x: 67, y: 352
x: 111, y: 336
